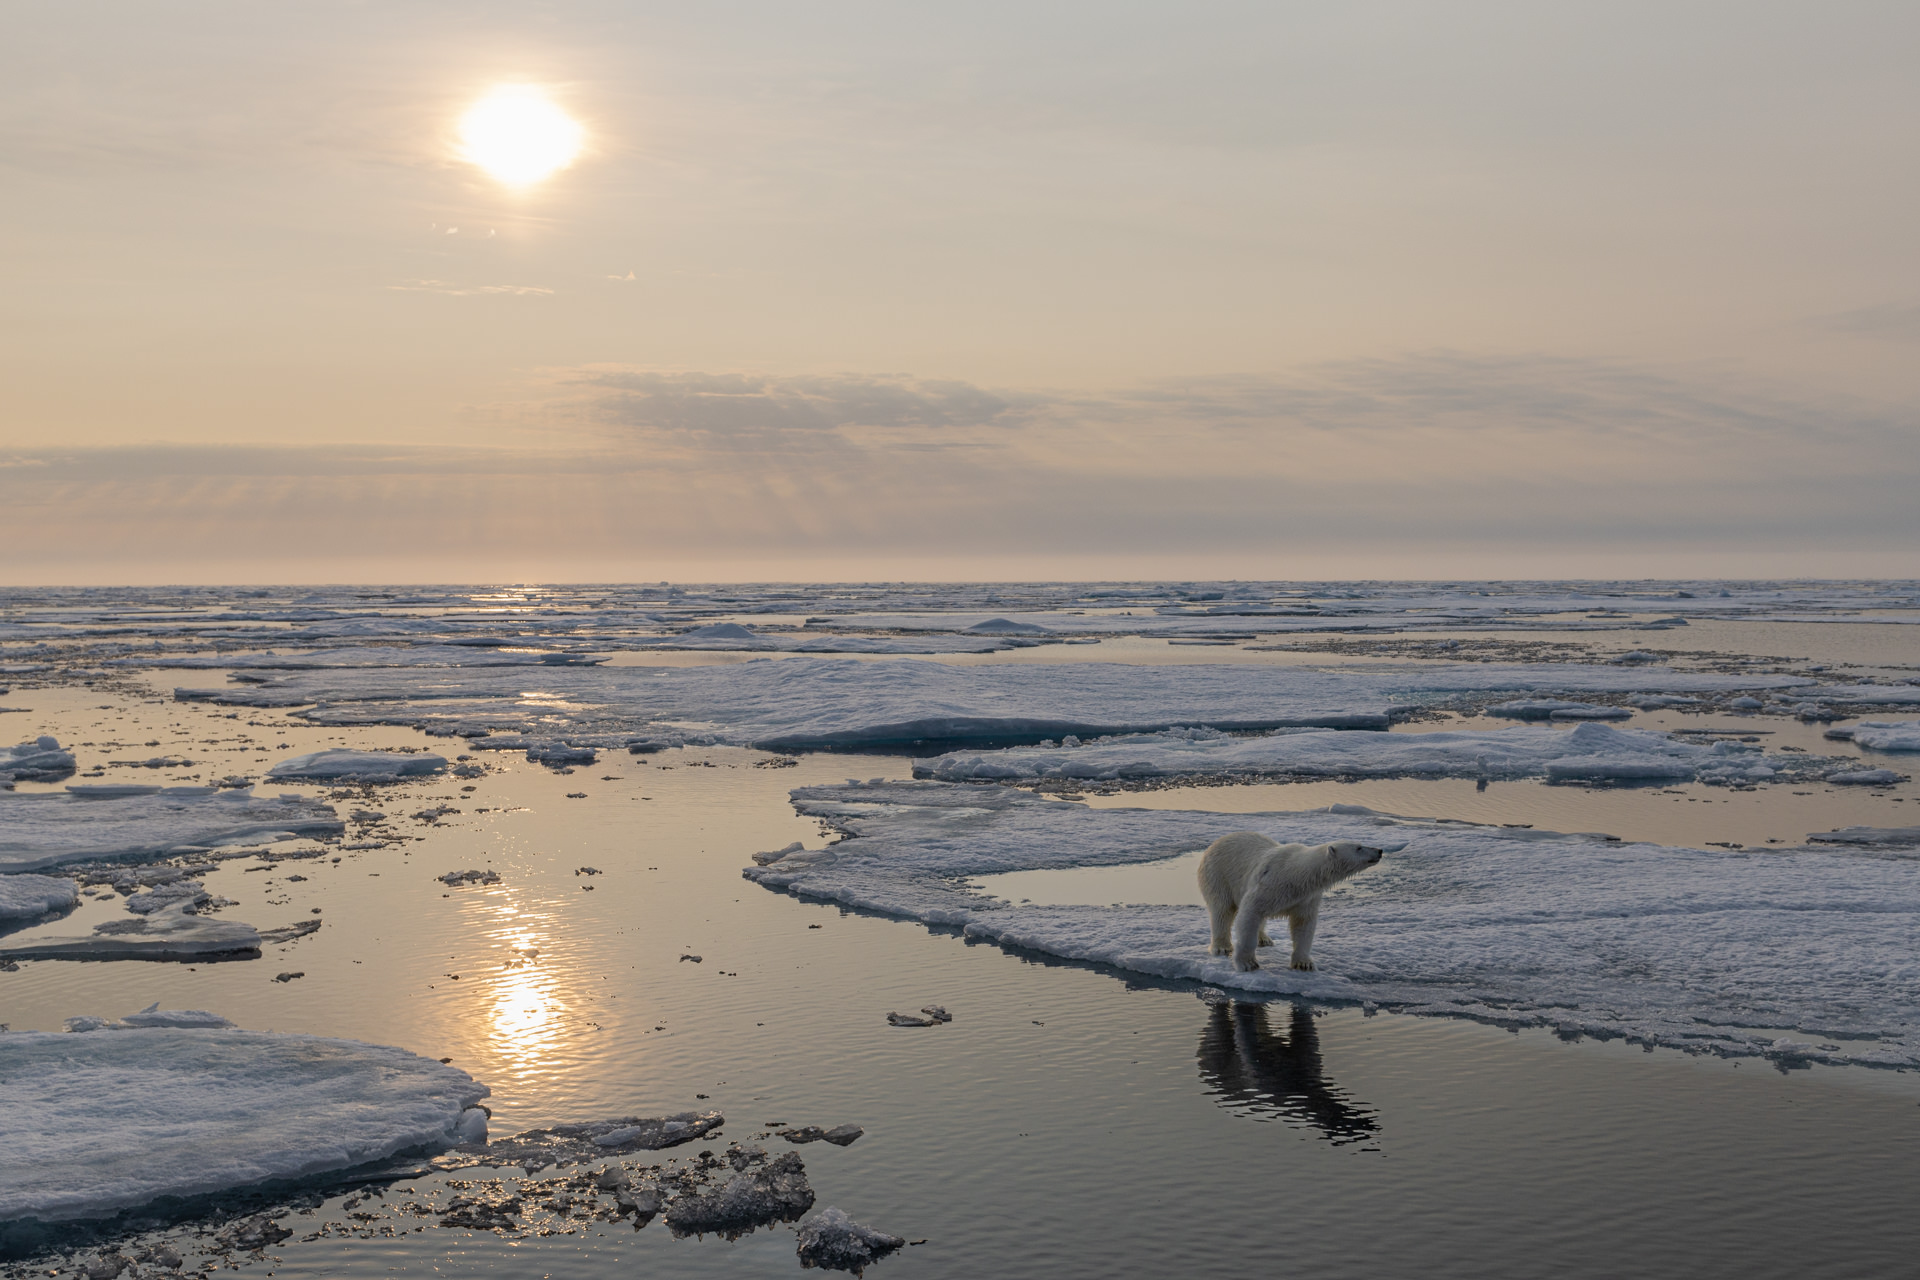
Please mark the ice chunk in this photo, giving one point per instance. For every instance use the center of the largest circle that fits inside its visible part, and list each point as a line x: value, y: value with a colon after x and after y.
x: 340, y: 765
x: 85, y: 823
x: 1866, y: 777
x: 151, y: 1016
x: 42, y: 760
x: 99, y: 1123
x: 561, y: 753
x: 25, y: 897
x: 1705, y: 950
x: 832, y: 1241
x: 1007, y: 627
x: 1895, y: 836
x: 167, y: 933
x: 1554, y: 709
x: 1588, y: 751
x: 1882, y: 735
x: 756, y: 1196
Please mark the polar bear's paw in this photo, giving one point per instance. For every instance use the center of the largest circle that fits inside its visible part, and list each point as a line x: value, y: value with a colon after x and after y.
x: 1300, y: 962
x: 1245, y: 964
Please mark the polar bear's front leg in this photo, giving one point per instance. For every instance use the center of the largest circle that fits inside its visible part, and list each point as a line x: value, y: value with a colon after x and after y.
x: 1300, y: 922
x: 1247, y: 927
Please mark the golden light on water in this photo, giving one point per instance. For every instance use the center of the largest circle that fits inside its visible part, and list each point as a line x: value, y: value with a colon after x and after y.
x: 519, y: 136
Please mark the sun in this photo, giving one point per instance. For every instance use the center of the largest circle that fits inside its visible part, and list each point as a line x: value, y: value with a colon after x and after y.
x: 519, y: 136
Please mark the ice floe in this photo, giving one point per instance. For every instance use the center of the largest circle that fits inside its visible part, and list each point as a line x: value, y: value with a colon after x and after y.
x: 814, y: 703
x: 1705, y: 950
x: 93, y: 1124
x: 27, y: 897
x: 1881, y: 735
x: 84, y: 823
x: 42, y: 760
x: 1895, y: 837
x: 1866, y: 777
x: 172, y: 932
x: 1555, y: 709
x: 1589, y: 752
x: 338, y: 764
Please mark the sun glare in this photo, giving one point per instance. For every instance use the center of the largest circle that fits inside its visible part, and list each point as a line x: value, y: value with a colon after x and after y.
x: 519, y: 136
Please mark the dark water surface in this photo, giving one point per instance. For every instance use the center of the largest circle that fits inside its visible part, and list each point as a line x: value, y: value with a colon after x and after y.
x: 1071, y: 1121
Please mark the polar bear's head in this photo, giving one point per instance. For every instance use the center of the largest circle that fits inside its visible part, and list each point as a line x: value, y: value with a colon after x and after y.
x: 1349, y: 856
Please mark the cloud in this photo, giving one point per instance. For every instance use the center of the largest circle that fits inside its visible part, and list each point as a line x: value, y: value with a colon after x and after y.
x: 1436, y: 464
x: 1887, y: 321
x: 731, y: 406
x: 441, y: 286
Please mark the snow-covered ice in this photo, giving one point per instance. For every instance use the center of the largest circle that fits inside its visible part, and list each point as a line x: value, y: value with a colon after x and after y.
x: 1556, y: 709
x: 812, y: 703
x: 1882, y: 735
x: 83, y: 823
x: 1587, y: 752
x: 41, y: 760
x: 27, y: 897
x: 1708, y: 950
x: 92, y: 1124
x: 169, y: 931
x: 338, y: 764
x: 1866, y: 777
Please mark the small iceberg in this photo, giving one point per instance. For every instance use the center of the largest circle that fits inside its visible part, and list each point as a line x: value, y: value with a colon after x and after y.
x: 338, y: 764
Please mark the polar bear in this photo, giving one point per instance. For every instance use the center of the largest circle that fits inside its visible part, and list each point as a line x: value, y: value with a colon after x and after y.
x: 1247, y: 879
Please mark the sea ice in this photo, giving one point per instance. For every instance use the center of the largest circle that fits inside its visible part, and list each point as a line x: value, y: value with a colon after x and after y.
x: 1706, y: 950
x: 819, y: 703
x: 1866, y: 777
x: 85, y: 823
x: 42, y: 760
x: 1892, y: 836
x: 1585, y: 752
x: 167, y: 932
x: 1882, y: 735
x: 92, y: 1124
x: 758, y: 1195
x: 1554, y: 709
x: 832, y: 1241
x: 338, y: 764
x: 27, y: 897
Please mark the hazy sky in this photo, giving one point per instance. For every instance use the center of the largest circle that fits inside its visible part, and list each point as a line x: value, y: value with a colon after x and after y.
x: 891, y: 290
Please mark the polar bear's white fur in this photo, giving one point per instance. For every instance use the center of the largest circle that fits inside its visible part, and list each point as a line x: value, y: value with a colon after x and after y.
x: 1248, y: 879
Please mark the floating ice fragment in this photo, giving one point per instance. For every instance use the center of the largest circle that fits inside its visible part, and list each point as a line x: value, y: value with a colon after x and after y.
x: 1555, y: 709
x: 832, y: 1241
x: 754, y: 1197
x: 340, y: 765
x: 41, y: 760
x: 1883, y: 735
x: 1866, y: 778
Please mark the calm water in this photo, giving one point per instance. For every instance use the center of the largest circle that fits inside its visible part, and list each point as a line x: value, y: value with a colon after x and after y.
x: 1071, y: 1121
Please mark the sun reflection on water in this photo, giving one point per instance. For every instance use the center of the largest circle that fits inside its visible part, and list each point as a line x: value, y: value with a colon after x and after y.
x: 527, y: 1009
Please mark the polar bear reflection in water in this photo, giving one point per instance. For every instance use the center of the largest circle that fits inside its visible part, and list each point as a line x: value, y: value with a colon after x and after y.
x: 1256, y: 1070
